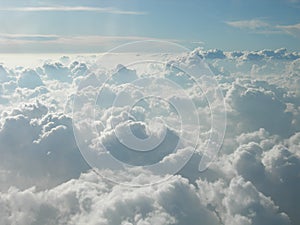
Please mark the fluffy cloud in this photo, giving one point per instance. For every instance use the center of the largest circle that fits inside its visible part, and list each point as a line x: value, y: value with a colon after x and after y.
x: 29, y: 79
x: 261, y: 105
x: 254, y: 181
x: 266, y: 54
x: 269, y: 166
x: 38, y: 148
x: 93, y: 201
x: 57, y: 71
x: 239, y: 202
x: 4, y: 75
x: 293, y: 143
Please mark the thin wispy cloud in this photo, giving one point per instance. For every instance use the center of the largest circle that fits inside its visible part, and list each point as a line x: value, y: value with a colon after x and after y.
x: 248, y: 24
x: 110, y: 10
x: 87, y: 39
x: 294, y: 1
x: 28, y: 37
x: 262, y: 27
x: 293, y: 29
x: 43, y: 43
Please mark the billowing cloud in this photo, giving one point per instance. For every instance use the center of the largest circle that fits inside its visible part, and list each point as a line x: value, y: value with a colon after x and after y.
x: 4, y: 75
x: 44, y: 178
x: 29, y: 79
x: 38, y: 148
x: 239, y: 202
x: 262, y: 55
x: 91, y: 200
x: 260, y: 108
x: 57, y: 71
x: 276, y: 167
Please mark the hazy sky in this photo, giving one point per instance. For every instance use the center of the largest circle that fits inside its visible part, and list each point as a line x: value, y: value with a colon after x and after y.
x: 93, y: 26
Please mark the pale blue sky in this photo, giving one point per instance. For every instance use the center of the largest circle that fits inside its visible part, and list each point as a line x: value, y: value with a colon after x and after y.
x: 93, y: 26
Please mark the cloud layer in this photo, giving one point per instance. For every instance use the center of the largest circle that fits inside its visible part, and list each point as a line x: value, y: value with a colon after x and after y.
x: 44, y: 178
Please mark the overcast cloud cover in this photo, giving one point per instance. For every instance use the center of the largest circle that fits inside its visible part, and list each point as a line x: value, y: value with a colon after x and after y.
x: 255, y: 179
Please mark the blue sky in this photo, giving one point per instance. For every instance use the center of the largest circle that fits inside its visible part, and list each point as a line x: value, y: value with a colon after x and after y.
x: 95, y: 26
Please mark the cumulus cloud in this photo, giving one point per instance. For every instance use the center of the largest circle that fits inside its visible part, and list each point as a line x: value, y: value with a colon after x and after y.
x: 38, y: 148
x: 45, y: 179
x: 239, y: 202
x: 29, y: 79
x: 257, y: 107
x: 57, y: 71
x: 4, y: 75
x: 273, y: 166
x: 277, y: 54
x: 93, y: 201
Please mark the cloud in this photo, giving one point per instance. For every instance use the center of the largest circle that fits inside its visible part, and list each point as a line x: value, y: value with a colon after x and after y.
x: 239, y: 202
x: 28, y: 37
x: 91, y: 200
x: 38, y: 148
x: 20, y: 43
x: 255, y: 180
x: 293, y: 1
x: 212, y: 54
x: 293, y: 29
x: 248, y: 24
x: 284, y: 165
x: 259, y: 26
x: 259, y: 56
x: 29, y: 79
x: 109, y: 10
x: 293, y: 143
x: 4, y: 75
x: 57, y: 71
x: 120, y: 125
x: 271, y: 166
x: 260, y: 109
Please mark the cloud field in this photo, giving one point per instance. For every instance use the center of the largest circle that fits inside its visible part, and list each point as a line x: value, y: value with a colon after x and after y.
x: 64, y: 141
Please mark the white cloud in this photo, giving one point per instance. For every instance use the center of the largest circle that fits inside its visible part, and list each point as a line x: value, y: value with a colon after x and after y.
x: 239, y: 202
x: 293, y: 143
x: 259, y: 26
x: 248, y: 24
x: 254, y: 181
x: 267, y: 163
x: 39, y: 148
x: 29, y: 79
x: 60, y: 43
x: 293, y: 29
x: 28, y: 37
x: 57, y: 71
x: 4, y: 75
x: 260, y: 106
x: 93, y: 201
x: 260, y: 56
x: 72, y: 9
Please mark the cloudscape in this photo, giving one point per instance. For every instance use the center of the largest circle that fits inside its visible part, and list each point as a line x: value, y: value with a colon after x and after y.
x: 150, y: 112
